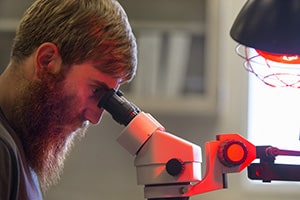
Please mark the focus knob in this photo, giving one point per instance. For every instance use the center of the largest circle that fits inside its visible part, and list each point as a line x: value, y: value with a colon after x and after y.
x: 232, y: 153
x: 174, y: 167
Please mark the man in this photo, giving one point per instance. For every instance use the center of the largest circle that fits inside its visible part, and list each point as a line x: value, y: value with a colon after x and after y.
x: 65, y: 55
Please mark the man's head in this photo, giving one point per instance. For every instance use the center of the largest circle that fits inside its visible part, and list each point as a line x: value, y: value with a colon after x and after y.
x: 66, y: 54
x: 94, y: 30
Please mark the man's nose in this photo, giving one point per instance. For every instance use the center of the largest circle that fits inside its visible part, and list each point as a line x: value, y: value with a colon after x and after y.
x: 93, y: 115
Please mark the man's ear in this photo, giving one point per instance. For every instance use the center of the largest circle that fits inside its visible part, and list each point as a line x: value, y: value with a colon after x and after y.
x: 47, y: 59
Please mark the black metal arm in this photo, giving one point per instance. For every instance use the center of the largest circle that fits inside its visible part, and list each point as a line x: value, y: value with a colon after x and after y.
x: 267, y: 170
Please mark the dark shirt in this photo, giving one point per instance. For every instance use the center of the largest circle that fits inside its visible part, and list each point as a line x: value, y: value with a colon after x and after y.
x: 17, y: 180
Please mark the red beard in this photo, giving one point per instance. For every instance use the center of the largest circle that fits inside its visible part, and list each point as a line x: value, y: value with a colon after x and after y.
x: 41, y: 117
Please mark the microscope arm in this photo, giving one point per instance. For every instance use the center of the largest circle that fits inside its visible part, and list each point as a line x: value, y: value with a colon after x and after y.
x: 230, y: 153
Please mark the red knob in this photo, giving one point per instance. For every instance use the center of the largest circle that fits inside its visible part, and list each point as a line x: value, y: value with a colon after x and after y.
x: 232, y: 153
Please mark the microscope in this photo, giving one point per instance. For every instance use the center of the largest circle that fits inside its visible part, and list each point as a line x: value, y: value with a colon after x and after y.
x: 168, y: 166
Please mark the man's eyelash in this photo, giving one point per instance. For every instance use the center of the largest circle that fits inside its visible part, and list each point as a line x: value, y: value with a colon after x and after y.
x: 98, y: 92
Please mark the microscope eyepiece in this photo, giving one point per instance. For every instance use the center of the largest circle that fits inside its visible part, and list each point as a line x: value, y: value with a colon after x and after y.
x: 118, y: 106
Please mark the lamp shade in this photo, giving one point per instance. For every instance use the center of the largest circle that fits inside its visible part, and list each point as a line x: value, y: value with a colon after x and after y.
x: 269, y: 25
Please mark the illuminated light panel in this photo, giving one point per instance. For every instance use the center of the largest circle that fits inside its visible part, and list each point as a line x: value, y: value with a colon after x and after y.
x: 273, y: 118
x: 281, y: 58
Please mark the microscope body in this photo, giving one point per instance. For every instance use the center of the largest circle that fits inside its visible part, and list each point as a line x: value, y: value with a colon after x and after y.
x: 164, y: 162
x: 170, y: 167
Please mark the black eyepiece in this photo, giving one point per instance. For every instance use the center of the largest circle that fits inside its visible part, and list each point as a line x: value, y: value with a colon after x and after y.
x: 118, y: 106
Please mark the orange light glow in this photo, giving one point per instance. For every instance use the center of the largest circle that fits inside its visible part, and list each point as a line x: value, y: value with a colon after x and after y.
x: 281, y: 58
x: 235, y: 152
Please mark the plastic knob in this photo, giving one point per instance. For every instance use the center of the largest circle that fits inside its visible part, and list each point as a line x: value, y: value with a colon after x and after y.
x: 174, y: 167
x: 232, y: 153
